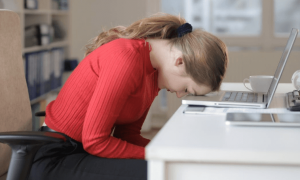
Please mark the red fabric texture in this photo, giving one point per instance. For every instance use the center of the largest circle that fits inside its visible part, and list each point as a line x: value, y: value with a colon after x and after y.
x: 111, y: 88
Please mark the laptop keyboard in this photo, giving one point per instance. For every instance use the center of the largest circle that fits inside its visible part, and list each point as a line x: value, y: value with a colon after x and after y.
x: 240, y: 97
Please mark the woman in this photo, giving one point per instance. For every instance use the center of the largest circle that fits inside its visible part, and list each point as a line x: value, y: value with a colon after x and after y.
x: 103, y: 104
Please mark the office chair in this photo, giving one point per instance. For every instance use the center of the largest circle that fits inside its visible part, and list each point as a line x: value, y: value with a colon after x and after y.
x: 15, y: 109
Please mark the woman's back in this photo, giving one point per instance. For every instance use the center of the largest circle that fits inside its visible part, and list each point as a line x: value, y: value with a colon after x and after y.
x: 113, y: 85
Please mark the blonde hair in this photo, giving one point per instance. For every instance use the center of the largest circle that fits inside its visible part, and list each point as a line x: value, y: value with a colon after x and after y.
x: 205, y: 55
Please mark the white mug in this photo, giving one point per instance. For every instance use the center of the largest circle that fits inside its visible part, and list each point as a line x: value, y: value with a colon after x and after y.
x: 296, y: 80
x: 259, y: 84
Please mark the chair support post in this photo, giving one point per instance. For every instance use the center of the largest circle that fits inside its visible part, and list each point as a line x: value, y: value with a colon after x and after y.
x: 22, y: 156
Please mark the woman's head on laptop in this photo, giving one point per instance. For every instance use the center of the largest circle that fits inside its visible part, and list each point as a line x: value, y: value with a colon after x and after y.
x: 188, y: 61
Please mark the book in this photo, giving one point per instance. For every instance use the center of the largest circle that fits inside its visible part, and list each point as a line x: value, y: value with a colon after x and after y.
x: 39, y: 34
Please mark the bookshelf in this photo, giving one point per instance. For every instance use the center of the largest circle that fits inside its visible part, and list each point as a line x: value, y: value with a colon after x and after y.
x: 55, y: 15
x: 45, y: 12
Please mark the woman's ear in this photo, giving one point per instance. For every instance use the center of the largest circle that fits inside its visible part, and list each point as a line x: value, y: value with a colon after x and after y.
x: 179, y: 64
x: 179, y: 61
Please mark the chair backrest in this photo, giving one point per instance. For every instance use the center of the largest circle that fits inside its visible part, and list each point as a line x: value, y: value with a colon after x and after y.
x: 15, y: 109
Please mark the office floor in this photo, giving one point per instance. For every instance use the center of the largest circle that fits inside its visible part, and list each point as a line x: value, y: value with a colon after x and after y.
x: 150, y: 134
x: 157, y: 123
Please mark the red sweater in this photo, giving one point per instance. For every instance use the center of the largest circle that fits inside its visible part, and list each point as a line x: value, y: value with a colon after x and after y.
x: 111, y: 88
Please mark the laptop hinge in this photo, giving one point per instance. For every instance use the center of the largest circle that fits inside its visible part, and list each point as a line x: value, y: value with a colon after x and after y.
x: 265, y: 97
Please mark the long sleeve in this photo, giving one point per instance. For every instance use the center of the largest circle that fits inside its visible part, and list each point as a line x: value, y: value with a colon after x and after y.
x: 108, y: 100
x: 132, y: 132
x: 112, y: 87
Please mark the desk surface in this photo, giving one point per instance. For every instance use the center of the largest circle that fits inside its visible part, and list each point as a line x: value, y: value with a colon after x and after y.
x: 206, y: 138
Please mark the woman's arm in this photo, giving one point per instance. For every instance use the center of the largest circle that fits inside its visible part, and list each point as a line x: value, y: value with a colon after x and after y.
x: 117, y: 80
x: 132, y: 132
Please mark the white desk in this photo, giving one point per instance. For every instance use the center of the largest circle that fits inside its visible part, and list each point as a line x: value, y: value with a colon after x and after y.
x: 202, y: 147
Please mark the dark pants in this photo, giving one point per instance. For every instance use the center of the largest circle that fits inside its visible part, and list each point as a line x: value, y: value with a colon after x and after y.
x: 69, y: 161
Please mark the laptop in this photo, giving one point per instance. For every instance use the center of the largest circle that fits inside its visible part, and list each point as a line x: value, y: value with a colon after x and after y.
x: 252, y: 100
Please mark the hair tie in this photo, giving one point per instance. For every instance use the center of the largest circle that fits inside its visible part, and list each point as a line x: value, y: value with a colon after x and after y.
x: 184, y: 29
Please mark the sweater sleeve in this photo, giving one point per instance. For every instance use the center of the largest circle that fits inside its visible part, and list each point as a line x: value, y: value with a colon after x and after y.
x: 115, y: 83
x: 132, y: 132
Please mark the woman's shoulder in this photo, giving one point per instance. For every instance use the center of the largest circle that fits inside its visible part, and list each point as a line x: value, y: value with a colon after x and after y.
x: 121, y: 45
x: 126, y: 49
x: 121, y: 48
x: 121, y: 52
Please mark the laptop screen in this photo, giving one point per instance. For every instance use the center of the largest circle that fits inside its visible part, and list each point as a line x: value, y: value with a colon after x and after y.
x: 281, y: 65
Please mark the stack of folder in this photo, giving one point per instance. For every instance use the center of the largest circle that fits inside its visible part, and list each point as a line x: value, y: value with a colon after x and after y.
x: 44, y: 71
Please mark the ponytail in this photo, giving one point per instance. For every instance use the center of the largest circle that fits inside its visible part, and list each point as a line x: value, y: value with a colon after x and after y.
x: 160, y: 26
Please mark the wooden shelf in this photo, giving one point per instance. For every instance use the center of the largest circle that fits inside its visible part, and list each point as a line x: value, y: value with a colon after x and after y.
x: 46, y: 47
x: 59, y: 12
x: 37, y: 12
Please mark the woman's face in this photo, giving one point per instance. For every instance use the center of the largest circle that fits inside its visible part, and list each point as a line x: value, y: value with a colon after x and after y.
x: 172, y: 76
x: 180, y: 83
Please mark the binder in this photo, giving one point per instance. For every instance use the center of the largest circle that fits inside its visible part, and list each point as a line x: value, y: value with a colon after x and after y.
x: 37, y: 74
x: 29, y: 74
x: 26, y: 64
x: 46, y: 71
x: 61, y: 65
x: 57, y: 55
x: 32, y: 74
x: 41, y: 73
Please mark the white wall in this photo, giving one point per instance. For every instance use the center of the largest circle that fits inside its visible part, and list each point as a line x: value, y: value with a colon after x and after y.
x: 89, y: 17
